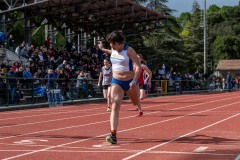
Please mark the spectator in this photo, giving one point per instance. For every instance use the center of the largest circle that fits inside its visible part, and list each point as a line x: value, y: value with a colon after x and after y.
x: 15, y: 65
x: 37, y: 76
x: 50, y: 79
x: 90, y: 89
x: 223, y: 83
x: 19, y: 75
x: 196, y: 75
x: 81, y: 85
x: 67, y: 84
x: 228, y: 82
x: 4, y: 70
x: 27, y: 74
x: 17, y: 50
x: 11, y: 43
x: 63, y: 65
x: 48, y: 43
x: 30, y: 52
x: 12, y: 81
x: 23, y: 51
x: 61, y: 81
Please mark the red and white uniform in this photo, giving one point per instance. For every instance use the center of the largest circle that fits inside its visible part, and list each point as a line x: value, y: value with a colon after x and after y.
x: 142, y: 76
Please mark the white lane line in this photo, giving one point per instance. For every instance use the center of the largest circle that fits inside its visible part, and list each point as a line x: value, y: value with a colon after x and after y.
x: 200, y: 149
x: 77, y: 106
x: 48, y: 114
x: 70, y: 127
x: 162, y: 144
x: 74, y: 142
x: 105, y: 145
x: 45, y: 114
x: 238, y: 157
x: 47, y: 109
x: 104, y: 113
x: 56, y: 113
x: 24, y: 124
x: 54, y: 120
x: 107, y: 150
x: 94, y: 123
x: 74, y: 112
x: 30, y: 141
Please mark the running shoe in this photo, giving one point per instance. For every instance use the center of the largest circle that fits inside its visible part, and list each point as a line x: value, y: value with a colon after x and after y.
x: 109, y: 109
x: 140, y: 114
x: 112, y: 139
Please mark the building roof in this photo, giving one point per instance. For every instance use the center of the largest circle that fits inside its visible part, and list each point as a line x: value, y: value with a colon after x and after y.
x: 228, y: 65
x: 90, y: 15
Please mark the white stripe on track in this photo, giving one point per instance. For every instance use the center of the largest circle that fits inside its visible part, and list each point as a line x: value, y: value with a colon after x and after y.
x: 46, y: 114
x: 63, y: 107
x: 58, y: 108
x: 162, y: 144
x: 74, y: 142
x: 54, y: 120
x: 106, y: 150
x: 79, y: 111
x: 94, y: 123
x: 200, y: 149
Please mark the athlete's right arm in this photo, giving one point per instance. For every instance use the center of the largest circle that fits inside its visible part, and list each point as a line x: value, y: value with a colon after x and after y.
x: 100, y: 46
x: 149, y: 73
x: 100, y: 78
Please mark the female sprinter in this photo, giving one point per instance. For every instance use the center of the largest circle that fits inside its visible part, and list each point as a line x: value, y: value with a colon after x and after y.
x: 124, y: 78
x: 106, y: 77
x: 144, y: 82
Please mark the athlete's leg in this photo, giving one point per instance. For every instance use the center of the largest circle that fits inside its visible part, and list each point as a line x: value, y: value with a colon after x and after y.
x: 109, y: 98
x: 116, y: 95
x: 142, y: 94
x: 105, y: 92
x: 134, y: 94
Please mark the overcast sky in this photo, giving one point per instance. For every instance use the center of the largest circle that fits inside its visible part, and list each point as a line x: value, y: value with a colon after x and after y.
x: 186, y: 5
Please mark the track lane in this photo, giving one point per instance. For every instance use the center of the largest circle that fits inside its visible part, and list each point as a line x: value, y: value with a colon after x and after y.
x: 100, y: 139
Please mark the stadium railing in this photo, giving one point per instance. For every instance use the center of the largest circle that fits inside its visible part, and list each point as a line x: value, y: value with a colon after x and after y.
x: 34, y: 91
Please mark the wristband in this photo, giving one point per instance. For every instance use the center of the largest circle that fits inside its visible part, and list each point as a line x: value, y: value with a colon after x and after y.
x: 134, y: 82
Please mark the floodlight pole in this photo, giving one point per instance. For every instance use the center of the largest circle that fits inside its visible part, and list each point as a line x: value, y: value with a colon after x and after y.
x: 205, y: 39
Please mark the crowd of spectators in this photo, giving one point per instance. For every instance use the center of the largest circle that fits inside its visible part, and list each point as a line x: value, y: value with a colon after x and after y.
x: 58, y: 67
x: 177, y: 80
x: 47, y: 62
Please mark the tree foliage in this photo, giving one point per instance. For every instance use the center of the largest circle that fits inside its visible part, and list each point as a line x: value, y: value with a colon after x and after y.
x: 175, y: 40
x: 164, y: 43
x: 223, y: 27
x: 226, y: 47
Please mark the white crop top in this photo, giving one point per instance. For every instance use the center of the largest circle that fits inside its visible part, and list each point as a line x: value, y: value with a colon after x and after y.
x: 120, y: 60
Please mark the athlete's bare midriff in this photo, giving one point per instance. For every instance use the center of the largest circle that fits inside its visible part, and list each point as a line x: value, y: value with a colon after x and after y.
x: 123, y: 76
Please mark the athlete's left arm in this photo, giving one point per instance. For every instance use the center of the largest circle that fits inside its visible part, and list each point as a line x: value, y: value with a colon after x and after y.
x: 133, y: 56
x: 149, y: 73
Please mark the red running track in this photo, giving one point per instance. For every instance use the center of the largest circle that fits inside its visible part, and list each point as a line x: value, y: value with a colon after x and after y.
x: 183, y: 127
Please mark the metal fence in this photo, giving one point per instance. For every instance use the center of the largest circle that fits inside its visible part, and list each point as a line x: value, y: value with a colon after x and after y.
x: 32, y: 91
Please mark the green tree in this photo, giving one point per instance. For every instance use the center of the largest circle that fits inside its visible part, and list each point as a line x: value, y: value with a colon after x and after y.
x: 163, y: 44
x: 226, y: 47
x: 183, y: 19
x: 223, y: 24
x: 192, y: 35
